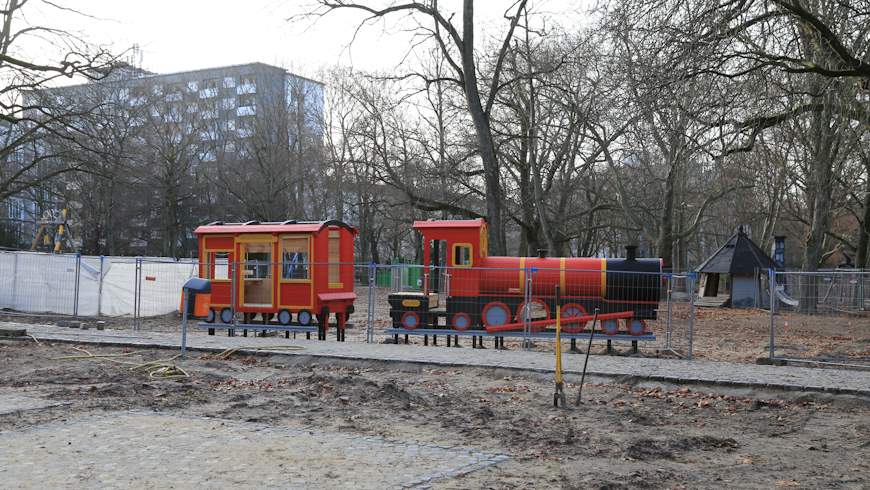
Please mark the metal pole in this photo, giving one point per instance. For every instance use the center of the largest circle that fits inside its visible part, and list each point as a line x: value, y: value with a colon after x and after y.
x: 139, y: 293
x: 77, y: 284
x: 586, y: 361
x: 233, y: 292
x: 771, y: 279
x: 527, y: 296
x: 370, y: 318
x: 100, y: 288
x: 15, y: 281
x: 185, y: 306
x: 670, y: 311
x: 691, y: 278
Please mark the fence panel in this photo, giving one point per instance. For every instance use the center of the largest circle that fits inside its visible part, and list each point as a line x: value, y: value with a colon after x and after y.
x: 821, y: 317
x: 42, y: 283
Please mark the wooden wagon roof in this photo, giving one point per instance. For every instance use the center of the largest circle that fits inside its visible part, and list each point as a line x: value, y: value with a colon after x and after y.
x: 289, y: 226
x: 739, y: 255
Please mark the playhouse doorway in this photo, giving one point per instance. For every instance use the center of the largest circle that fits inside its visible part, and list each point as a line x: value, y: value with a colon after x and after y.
x: 256, y: 290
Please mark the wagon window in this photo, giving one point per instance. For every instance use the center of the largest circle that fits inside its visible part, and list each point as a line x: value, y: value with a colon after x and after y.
x: 334, y: 259
x: 294, y: 258
x: 462, y: 255
x: 258, y: 261
x: 221, y: 261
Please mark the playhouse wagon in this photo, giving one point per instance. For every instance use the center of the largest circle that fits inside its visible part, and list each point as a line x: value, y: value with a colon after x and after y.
x: 290, y: 273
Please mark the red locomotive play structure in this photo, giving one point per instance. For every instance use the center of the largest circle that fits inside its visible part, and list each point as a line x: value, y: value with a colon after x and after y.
x: 296, y: 272
x: 491, y: 294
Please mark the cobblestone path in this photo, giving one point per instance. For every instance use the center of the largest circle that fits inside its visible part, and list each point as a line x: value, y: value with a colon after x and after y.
x: 666, y: 370
x: 147, y: 450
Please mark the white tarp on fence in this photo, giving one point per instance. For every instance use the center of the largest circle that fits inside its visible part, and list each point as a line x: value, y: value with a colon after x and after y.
x: 46, y: 283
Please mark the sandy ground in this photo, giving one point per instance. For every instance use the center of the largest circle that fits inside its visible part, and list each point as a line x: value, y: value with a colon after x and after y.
x: 622, y: 436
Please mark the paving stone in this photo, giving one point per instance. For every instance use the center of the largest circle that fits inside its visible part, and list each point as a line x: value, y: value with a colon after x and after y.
x: 11, y: 403
x: 668, y: 370
x: 150, y: 450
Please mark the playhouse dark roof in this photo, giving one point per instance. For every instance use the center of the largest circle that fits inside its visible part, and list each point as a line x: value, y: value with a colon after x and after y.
x: 739, y: 255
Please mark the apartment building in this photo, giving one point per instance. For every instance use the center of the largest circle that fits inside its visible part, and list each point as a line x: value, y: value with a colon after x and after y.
x: 217, y: 109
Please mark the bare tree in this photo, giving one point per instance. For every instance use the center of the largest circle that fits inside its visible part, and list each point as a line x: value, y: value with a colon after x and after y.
x: 458, y: 49
x: 27, y: 117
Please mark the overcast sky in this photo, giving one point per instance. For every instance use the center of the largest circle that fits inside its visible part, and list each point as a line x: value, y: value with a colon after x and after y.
x: 179, y: 35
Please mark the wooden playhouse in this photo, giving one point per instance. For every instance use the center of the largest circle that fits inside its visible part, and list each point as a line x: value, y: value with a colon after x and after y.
x: 292, y: 272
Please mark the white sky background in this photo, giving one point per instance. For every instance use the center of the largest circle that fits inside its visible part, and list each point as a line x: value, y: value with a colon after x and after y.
x: 181, y: 35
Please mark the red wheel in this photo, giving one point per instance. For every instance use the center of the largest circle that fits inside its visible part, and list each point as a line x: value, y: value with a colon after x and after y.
x: 636, y: 326
x: 610, y: 327
x: 461, y: 321
x: 573, y: 310
x: 495, y: 314
x: 410, y: 320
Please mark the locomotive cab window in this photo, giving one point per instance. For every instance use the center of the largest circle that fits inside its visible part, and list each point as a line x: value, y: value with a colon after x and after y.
x: 462, y: 255
x: 294, y: 259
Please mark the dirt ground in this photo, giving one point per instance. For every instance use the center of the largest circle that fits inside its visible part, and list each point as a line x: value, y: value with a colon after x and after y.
x: 622, y: 436
x: 720, y: 334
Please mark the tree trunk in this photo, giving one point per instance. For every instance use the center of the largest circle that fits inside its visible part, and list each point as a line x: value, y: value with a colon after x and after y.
x: 665, y: 241
x: 492, y: 177
x: 864, y: 230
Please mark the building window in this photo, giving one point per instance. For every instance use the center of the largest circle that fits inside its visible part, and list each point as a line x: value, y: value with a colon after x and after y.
x: 248, y: 85
x: 247, y: 100
x: 229, y: 82
x: 294, y: 258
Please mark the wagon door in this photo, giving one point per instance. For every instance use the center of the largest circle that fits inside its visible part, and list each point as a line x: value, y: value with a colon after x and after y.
x: 256, y: 289
x: 295, y: 280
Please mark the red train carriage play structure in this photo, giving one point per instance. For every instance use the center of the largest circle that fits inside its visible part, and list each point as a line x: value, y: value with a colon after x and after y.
x: 488, y: 294
x: 291, y: 273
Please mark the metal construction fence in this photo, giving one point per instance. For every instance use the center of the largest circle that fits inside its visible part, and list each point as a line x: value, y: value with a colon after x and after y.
x: 820, y: 317
x: 517, y: 304
x: 77, y: 285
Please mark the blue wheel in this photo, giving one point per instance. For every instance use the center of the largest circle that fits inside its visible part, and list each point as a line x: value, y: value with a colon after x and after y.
x: 284, y: 317
x: 496, y: 314
x: 610, y: 327
x: 227, y: 315
x: 410, y: 320
x: 461, y: 321
x: 304, y: 317
x: 636, y: 326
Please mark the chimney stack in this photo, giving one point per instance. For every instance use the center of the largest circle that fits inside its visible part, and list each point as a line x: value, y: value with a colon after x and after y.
x: 630, y: 252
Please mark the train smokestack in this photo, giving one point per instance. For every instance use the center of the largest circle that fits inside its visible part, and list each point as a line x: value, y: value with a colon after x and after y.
x: 630, y: 252
x: 542, y: 253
